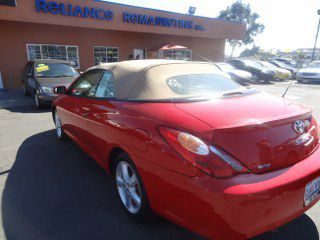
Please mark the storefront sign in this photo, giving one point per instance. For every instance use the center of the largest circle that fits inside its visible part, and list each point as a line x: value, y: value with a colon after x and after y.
x: 160, y: 21
x: 102, y: 14
x: 73, y: 11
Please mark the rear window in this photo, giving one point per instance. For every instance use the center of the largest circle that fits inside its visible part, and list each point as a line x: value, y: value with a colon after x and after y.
x: 54, y: 70
x: 201, y: 84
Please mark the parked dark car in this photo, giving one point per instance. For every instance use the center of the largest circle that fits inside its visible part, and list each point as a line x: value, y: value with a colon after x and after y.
x: 240, y: 76
x: 40, y: 77
x: 279, y: 64
x: 259, y: 73
x: 280, y: 73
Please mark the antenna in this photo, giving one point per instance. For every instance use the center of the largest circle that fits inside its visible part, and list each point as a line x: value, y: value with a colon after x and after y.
x: 287, y: 89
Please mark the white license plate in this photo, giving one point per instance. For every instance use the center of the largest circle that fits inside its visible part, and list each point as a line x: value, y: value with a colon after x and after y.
x: 312, y: 191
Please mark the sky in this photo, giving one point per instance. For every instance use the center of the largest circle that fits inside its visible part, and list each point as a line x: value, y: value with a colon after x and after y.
x: 289, y: 24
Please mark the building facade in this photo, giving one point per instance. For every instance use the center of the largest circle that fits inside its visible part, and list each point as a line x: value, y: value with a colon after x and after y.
x: 89, y: 32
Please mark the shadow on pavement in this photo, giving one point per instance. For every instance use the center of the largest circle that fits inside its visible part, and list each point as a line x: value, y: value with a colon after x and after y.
x: 15, y: 101
x: 302, y: 228
x: 27, y: 109
x: 55, y: 191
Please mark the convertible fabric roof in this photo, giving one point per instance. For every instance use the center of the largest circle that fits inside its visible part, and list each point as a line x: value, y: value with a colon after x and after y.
x: 146, y: 79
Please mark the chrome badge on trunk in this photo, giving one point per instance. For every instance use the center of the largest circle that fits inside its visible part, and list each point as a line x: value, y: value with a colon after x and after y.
x: 305, y: 138
x: 299, y: 126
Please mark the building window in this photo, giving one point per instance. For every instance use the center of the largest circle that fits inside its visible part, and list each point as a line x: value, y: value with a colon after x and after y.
x: 178, y: 54
x: 60, y: 52
x: 105, y: 54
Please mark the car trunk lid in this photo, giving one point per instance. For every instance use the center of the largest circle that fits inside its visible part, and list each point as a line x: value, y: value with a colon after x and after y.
x: 258, y: 129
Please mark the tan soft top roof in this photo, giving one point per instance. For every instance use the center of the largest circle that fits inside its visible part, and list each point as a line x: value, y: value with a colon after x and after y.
x: 146, y: 79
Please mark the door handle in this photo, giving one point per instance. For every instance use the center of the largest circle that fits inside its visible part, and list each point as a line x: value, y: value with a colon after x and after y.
x: 85, y: 112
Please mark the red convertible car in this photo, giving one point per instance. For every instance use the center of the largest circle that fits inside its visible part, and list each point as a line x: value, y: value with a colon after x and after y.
x: 183, y: 140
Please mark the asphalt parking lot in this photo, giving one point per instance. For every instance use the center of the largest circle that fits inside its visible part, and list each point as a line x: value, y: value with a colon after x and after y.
x: 53, y: 190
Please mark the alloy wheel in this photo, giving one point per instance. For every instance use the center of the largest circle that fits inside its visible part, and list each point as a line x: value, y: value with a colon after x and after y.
x: 58, y: 125
x: 129, y: 187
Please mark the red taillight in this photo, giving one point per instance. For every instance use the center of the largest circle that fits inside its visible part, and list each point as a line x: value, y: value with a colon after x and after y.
x: 316, y: 125
x: 210, y: 159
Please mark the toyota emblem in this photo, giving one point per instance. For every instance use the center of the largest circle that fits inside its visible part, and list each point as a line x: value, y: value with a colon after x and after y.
x: 299, y: 126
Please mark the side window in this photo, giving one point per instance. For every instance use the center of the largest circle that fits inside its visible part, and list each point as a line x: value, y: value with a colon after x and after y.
x: 31, y: 69
x: 27, y: 69
x: 86, y: 84
x: 106, y: 86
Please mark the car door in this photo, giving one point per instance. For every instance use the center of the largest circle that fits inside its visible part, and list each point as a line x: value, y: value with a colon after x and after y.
x: 31, y: 79
x: 102, y: 125
x: 28, y: 77
x: 74, y: 109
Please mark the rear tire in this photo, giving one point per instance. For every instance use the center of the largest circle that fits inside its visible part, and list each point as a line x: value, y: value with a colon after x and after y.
x: 130, y: 188
x: 24, y: 90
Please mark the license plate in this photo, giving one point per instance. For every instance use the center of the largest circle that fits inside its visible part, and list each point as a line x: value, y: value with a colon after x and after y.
x: 312, y: 191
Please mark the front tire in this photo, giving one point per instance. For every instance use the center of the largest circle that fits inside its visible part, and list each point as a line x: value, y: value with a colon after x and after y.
x: 37, y: 102
x: 131, y: 192
x: 59, y: 131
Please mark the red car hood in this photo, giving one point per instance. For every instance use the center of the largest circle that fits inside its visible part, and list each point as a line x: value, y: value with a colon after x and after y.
x: 257, y: 129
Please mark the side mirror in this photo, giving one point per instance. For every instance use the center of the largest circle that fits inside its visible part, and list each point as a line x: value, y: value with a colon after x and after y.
x: 29, y: 75
x: 60, y: 90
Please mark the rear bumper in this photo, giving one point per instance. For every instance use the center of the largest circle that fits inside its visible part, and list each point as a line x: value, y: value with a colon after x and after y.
x: 254, y: 204
x: 236, y: 208
x: 264, y: 202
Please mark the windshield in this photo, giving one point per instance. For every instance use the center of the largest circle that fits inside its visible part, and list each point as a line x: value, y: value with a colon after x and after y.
x: 225, y: 67
x: 54, y: 70
x: 201, y: 84
x: 314, y: 65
